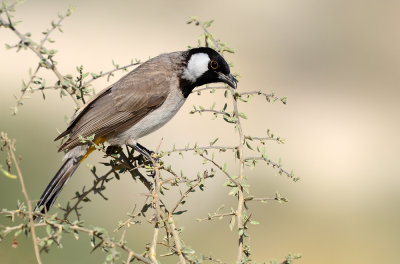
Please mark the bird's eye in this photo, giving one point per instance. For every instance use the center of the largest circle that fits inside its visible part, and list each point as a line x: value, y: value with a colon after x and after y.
x: 214, y: 64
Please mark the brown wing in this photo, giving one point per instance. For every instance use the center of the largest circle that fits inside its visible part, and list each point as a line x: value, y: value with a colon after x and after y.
x: 124, y: 103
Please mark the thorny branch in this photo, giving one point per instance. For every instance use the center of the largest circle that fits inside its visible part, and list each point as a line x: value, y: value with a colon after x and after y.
x: 46, y: 62
x: 53, y: 27
x: 61, y: 225
x: 220, y: 148
x: 157, y: 208
x: 25, y: 88
x: 219, y: 216
x: 271, y: 97
x: 221, y: 169
x: 9, y: 145
x: 199, y: 182
x: 121, y: 162
x: 209, y: 110
x: 110, y: 73
x: 83, y: 196
x: 274, y: 165
x: 240, y: 207
x: 243, y: 255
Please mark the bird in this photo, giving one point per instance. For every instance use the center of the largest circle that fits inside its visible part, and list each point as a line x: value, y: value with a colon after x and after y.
x: 136, y: 105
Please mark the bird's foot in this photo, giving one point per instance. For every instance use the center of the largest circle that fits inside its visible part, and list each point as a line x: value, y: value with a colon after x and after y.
x: 147, y: 155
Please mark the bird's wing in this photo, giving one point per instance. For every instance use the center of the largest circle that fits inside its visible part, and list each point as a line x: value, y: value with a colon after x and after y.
x: 123, y: 104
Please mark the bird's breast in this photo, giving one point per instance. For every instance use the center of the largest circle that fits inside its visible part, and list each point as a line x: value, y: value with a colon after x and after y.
x: 153, y: 120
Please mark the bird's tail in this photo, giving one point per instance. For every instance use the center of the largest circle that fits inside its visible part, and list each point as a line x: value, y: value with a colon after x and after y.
x: 73, y: 159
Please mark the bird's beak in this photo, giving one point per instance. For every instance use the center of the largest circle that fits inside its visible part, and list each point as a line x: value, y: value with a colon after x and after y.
x: 228, y: 79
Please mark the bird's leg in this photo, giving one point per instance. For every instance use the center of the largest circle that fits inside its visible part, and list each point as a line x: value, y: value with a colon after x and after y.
x: 148, y: 154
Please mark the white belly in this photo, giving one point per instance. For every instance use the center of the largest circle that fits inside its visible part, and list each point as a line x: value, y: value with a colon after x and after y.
x: 152, y: 121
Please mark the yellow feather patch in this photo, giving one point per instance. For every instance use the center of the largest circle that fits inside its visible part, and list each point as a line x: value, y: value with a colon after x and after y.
x: 91, y: 148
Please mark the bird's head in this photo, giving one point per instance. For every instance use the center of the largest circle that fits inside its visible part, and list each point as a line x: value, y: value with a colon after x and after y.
x: 205, y: 65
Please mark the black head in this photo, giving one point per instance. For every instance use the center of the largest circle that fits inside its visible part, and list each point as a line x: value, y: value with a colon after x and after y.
x: 203, y: 66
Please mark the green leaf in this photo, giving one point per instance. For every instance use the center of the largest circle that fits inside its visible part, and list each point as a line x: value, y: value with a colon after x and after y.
x: 48, y: 230
x: 18, y: 233
x: 209, y: 23
x: 109, y: 257
x: 249, y: 146
x: 76, y: 235
x: 232, y: 223
x: 213, y: 142
x: 188, y: 251
x: 233, y: 191
x: 7, y: 174
x: 179, y: 212
x: 243, y: 115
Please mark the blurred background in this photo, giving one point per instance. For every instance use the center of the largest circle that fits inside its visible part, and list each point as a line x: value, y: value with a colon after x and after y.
x: 338, y: 62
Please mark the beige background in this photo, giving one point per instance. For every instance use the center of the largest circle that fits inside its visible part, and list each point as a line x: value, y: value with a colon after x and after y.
x: 338, y: 63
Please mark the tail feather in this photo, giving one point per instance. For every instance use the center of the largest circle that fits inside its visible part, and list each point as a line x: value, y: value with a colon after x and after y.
x: 72, y: 160
x: 55, y: 186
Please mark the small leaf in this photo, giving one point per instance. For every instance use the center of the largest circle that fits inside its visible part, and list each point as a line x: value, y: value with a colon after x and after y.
x: 109, y: 257
x: 18, y: 233
x: 7, y: 174
x: 249, y: 146
x: 232, y: 223
x: 213, y: 142
x: 213, y: 106
x: 76, y: 235
x: 243, y: 115
x: 179, y: 212
x: 188, y: 251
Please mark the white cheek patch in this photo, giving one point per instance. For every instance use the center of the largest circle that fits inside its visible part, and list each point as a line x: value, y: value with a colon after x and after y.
x: 197, y: 65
